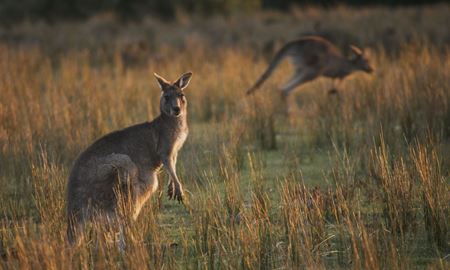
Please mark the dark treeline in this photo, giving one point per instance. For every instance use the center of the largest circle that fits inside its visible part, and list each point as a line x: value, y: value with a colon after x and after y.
x: 55, y: 10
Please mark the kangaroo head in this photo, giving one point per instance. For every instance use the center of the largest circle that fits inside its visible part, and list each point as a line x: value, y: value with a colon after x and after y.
x: 173, y: 102
x: 359, y: 60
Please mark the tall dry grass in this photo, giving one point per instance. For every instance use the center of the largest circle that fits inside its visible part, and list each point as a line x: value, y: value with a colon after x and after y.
x: 259, y: 194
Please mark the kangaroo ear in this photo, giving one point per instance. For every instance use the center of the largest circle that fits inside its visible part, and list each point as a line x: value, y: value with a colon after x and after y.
x: 163, y: 83
x: 183, y: 81
x: 355, y: 52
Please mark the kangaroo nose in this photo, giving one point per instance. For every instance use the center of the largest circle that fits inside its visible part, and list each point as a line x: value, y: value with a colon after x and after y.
x: 176, y: 110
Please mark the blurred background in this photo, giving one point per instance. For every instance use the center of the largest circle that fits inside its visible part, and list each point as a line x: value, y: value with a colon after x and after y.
x: 368, y: 169
x: 54, y: 10
x: 136, y: 27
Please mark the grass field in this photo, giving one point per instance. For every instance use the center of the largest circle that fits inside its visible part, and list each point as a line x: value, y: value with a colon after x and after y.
x: 356, y: 181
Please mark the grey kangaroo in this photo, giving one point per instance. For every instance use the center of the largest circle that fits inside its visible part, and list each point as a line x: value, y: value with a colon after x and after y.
x: 312, y: 57
x: 130, y: 160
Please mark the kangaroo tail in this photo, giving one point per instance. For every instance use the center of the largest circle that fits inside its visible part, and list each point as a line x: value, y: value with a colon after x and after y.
x: 281, y: 54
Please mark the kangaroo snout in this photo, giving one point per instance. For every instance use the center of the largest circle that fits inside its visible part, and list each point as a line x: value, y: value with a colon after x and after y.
x: 176, y: 111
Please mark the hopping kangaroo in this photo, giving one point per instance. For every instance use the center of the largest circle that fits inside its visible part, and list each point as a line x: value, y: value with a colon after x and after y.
x: 312, y: 57
x: 130, y: 160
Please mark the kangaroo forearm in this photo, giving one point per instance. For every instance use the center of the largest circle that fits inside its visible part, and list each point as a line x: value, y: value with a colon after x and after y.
x: 169, y: 166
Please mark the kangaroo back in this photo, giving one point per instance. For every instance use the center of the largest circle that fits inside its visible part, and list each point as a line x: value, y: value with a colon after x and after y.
x: 281, y: 54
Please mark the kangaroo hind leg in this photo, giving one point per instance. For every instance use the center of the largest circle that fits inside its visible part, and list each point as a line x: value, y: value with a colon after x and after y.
x: 118, y: 164
x: 297, y: 79
x: 300, y: 77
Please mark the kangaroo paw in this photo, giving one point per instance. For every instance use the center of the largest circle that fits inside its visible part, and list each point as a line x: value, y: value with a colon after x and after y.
x: 178, y: 193
x: 175, y: 192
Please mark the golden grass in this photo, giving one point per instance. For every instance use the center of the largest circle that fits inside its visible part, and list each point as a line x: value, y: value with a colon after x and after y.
x: 251, y: 202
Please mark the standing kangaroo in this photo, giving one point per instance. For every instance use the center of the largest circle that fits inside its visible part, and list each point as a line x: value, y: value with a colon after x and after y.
x: 312, y: 57
x: 130, y: 160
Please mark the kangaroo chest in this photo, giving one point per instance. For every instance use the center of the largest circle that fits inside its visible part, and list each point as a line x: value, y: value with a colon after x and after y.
x: 336, y: 68
x: 179, y: 139
x: 171, y: 137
